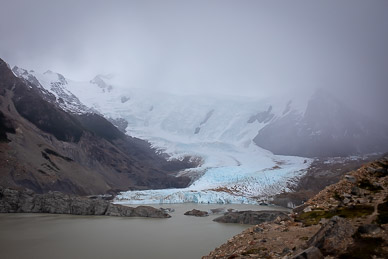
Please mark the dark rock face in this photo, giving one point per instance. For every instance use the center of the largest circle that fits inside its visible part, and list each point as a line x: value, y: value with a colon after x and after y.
x: 369, y: 229
x: 45, y: 115
x: 333, y: 237
x: 14, y: 201
x: 310, y: 253
x: 197, y: 213
x: 251, y: 217
x: 5, y: 127
x: 100, y: 126
x: 262, y: 117
x: 327, y: 128
x: 120, y: 123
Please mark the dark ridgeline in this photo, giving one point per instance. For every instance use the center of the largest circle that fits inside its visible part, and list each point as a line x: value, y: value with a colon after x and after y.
x: 45, y: 148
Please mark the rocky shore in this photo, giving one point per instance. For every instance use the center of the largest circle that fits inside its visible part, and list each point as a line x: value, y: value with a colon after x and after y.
x: 348, y: 219
x: 26, y: 201
x: 251, y: 217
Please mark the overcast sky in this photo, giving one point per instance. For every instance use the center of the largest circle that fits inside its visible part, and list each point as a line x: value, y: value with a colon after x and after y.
x: 230, y: 47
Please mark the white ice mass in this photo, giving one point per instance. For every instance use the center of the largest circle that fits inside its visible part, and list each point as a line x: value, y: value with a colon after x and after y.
x: 219, y: 130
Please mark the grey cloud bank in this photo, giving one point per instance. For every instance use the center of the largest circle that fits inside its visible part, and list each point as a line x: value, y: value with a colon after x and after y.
x: 247, y: 48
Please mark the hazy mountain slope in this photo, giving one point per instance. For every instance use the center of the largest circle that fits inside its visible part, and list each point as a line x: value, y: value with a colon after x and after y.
x: 45, y: 148
x: 327, y: 128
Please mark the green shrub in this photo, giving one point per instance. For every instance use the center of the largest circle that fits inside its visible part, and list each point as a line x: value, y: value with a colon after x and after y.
x: 313, y: 217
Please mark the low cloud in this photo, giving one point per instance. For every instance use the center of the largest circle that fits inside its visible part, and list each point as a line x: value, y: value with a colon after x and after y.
x: 249, y: 48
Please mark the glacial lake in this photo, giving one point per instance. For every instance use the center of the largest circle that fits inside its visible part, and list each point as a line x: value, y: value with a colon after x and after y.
x: 69, y: 236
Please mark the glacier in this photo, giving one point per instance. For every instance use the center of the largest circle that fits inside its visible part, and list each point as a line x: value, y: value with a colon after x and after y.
x: 225, y: 185
x: 218, y: 130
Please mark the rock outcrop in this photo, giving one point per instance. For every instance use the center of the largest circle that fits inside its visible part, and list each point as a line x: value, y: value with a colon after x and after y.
x: 15, y: 201
x: 197, y: 213
x: 310, y: 253
x: 333, y: 237
x: 252, y: 217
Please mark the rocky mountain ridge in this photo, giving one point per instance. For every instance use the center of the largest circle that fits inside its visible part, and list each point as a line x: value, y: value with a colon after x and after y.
x: 46, y: 148
x: 53, y: 90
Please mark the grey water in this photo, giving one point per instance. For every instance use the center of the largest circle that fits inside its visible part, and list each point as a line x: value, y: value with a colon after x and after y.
x: 68, y: 236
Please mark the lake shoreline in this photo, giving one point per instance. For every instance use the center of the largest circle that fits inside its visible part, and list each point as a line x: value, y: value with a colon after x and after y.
x: 26, y: 201
x: 84, y: 236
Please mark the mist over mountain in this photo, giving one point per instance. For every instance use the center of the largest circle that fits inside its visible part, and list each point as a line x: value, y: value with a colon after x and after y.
x: 255, y: 48
x: 312, y: 124
x: 228, y: 85
x: 326, y: 128
x: 227, y: 137
x: 209, y: 107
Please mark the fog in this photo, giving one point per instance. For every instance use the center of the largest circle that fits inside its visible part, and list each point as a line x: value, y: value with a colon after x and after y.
x: 248, y: 48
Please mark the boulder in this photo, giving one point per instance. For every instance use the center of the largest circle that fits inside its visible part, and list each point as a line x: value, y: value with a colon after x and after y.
x: 369, y: 229
x: 356, y: 191
x: 310, y: 253
x: 300, y: 208
x: 350, y: 178
x: 119, y: 210
x: 149, y: 212
x: 333, y: 237
x: 252, y: 217
x: 197, y: 213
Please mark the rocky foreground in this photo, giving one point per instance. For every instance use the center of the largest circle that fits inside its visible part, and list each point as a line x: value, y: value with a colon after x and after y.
x: 348, y: 219
x: 15, y: 201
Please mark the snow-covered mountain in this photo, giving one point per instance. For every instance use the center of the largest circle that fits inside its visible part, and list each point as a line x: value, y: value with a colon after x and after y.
x: 226, y: 133
x: 53, y: 85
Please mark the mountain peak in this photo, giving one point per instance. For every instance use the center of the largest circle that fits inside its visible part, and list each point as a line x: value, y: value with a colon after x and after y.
x: 23, y: 73
x: 18, y: 71
x: 55, y: 77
